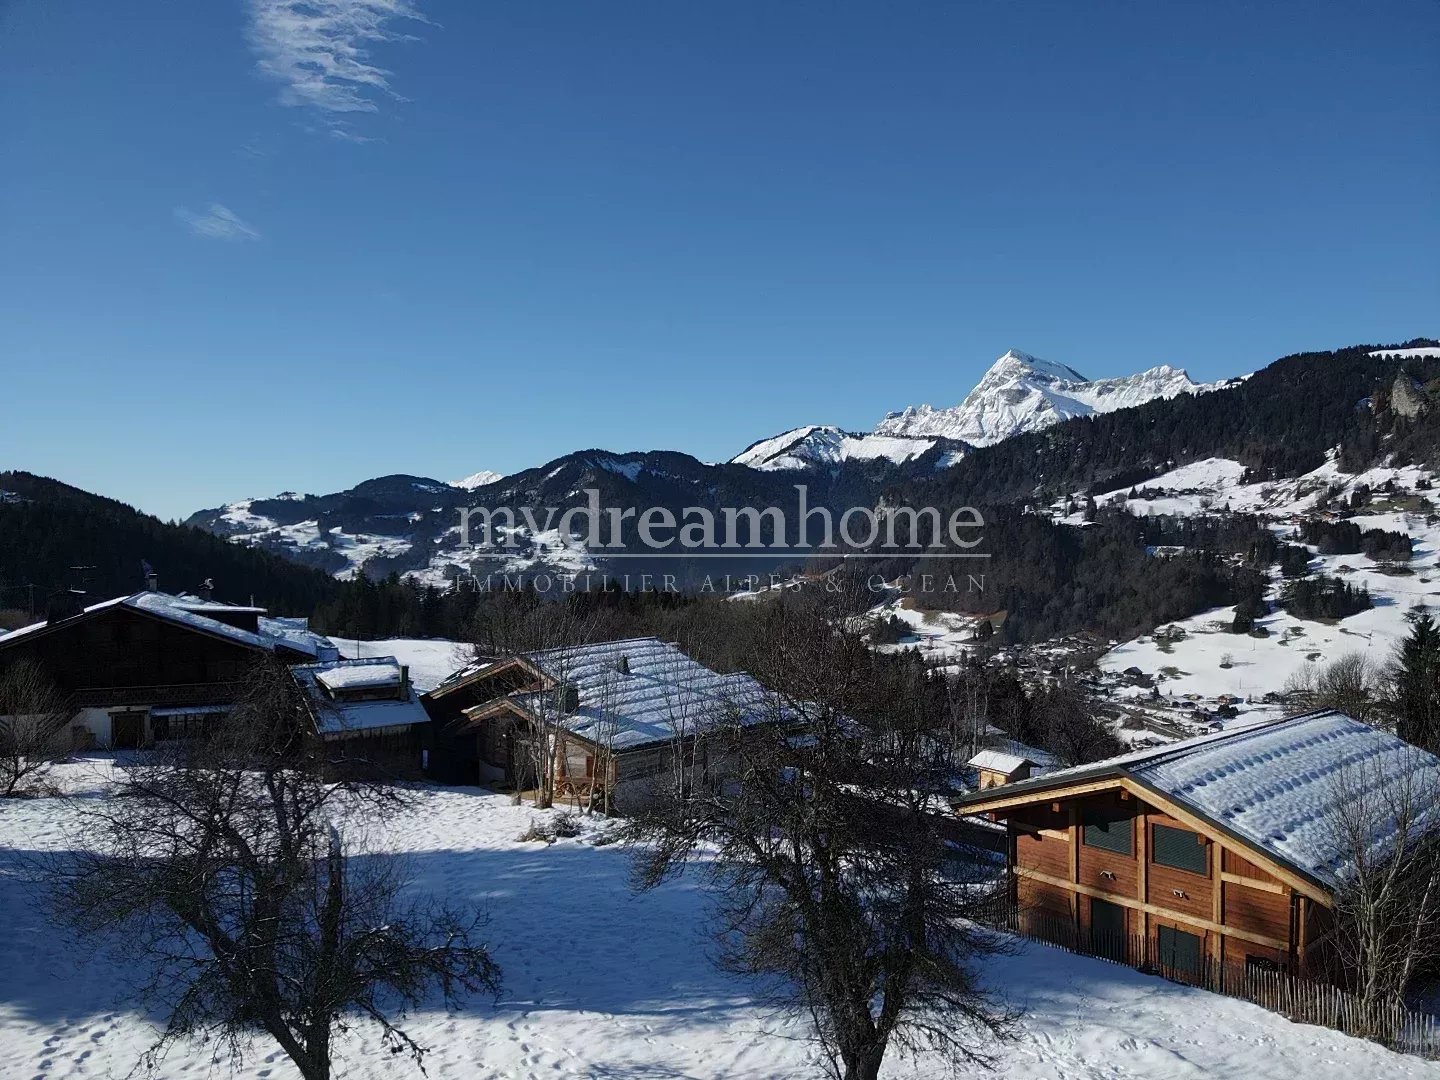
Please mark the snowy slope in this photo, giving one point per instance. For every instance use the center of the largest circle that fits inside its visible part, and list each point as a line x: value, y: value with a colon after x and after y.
x: 602, y: 982
x: 1023, y: 393
x: 430, y: 660
x: 1422, y: 352
x: 822, y: 445
x: 1209, y: 660
x: 479, y: 479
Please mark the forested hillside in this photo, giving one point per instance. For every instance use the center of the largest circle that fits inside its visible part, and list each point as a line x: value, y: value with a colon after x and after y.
x: 1281, y: 421
x: 47, y: 528
x: 1052, y: 578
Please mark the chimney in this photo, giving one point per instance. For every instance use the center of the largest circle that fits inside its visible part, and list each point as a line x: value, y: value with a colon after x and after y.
x: 404, y: 682
x: 152, y: 581
x: 623, y: 665
x: 207, y: 589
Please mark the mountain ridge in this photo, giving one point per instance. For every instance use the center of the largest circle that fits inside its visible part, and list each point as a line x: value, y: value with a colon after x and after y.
x: 1021, y: 393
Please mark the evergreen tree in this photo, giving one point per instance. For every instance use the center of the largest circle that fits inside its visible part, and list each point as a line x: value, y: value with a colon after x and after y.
x: 1417, y: 684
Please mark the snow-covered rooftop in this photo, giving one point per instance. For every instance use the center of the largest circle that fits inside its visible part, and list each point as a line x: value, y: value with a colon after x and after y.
x: 190, y: 611
x: 996, y: 761
x: 1278, y: 785
x: 383, y: 672
x: 337, y: 717
x: 643, y: 690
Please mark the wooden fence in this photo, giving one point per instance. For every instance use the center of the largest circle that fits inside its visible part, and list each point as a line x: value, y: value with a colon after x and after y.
x: 1305, y: 1001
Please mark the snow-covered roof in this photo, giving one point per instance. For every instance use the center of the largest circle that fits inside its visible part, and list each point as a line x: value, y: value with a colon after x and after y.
x: 295, y: 633
x: 642, y: 690
x: 996, y: 761
x: 342, y: 676
x: 1276, y: 785
x: 337, y: 717
x: 190, y: 611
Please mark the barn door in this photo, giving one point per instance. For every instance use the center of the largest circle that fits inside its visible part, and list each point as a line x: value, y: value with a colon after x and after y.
x: 1181, y: 954
x: 1107, y: 930
x: 127, y: 730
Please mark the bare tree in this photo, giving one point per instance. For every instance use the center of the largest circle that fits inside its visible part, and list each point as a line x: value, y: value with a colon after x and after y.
x: 834, y: 882
x: 221, y: 872
x: 34, y: 713
x: 604, y: 770
x: 524, y: 623
x: 1353, y: 684
x: 1387, y: 909
x: 1068, y: 725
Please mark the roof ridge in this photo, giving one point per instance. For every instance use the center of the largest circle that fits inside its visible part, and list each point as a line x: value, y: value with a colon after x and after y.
x: 1186, y: 747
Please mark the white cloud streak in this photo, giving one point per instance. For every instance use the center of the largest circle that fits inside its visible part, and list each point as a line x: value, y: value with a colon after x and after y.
x: 319, y: 52
x: 217, y: 223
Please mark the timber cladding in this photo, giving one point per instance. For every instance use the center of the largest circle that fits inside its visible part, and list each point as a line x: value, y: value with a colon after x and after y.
x: 1113, y: 862
x: 123, y: 647
x: 1261, y: 912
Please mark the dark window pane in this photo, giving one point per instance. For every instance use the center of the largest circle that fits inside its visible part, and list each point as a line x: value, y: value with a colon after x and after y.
x: 1112, y: 834
x: 1179, y: 849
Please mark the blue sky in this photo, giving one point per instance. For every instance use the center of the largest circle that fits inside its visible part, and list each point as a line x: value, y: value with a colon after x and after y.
x: 490, y: 235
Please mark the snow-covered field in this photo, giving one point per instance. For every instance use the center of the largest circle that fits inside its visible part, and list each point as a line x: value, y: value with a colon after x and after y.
x: 430, y: 661
x: 601, y: 982
x: 1257, y: 666
x: 941, y: 636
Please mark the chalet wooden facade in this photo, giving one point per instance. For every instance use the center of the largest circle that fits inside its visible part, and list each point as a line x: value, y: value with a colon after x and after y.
x: 612, y: 721
x: 1212, y: 851
x: 154, y: 666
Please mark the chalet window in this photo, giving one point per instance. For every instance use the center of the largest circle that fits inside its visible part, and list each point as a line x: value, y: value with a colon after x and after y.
x: 184, y: 725
x: 1111, y: 834
x: 1179, y: 849
x: 1180, y: 952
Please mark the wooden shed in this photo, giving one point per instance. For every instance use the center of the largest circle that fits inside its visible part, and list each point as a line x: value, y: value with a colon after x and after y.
x: 997, y: 767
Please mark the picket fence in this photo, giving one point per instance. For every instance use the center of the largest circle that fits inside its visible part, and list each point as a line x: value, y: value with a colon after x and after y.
x: 1305, y: 1001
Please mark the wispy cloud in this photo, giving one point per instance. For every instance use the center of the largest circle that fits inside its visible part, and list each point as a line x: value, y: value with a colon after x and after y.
x: 217, y: 223
x: 319, y: 51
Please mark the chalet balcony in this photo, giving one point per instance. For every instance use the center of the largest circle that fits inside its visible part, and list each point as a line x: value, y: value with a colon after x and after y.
x: 206, y: 693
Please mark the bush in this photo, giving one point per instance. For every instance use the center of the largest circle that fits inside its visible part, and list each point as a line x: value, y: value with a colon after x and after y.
x: 549, y: 829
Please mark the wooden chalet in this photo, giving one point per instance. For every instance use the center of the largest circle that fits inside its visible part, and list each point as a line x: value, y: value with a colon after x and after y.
x: 368, y: 719
x: 615, y: 716
x: 153, y: 666
x: 1219, y: 850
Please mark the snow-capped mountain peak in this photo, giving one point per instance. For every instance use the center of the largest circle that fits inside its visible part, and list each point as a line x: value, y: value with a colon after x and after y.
x: 1016, y: 362
x: 825, y: 445
x: 1023, y: 393
x: 479, y: 479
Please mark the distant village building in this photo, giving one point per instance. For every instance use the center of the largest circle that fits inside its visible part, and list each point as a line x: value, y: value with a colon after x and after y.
x: 620, y: 716
x: 996, y: 767
x: 1220, y: 850
x: 153, y: 666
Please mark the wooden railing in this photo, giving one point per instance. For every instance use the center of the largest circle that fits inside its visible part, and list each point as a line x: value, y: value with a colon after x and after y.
x: 210, y: 693
x: 1303, y: 1000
